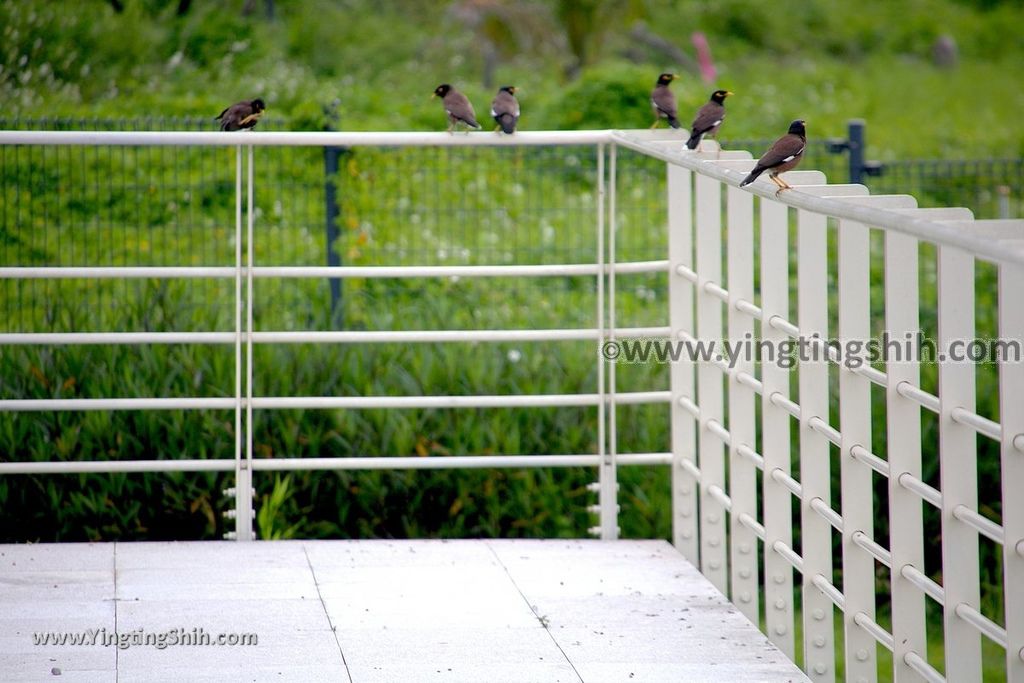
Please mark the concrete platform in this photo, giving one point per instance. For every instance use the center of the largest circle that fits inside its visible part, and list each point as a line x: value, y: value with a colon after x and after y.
x: 372, y: 611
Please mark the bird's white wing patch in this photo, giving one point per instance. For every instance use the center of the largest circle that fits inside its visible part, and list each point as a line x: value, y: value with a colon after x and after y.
x: 793, y: 156
x: 493, y: 113
x: 719, y: 121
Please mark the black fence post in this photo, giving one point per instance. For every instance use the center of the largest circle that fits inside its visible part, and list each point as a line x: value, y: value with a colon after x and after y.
x: 332, y: 214
x: 855, y: 145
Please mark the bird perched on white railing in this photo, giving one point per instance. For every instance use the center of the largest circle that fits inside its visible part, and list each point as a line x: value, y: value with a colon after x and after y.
x: 708, y: 118
x: 457, y: 106
x: 783, y: 156
x: 505, y: 109
x: 242, y: 115
x: 664, y: 101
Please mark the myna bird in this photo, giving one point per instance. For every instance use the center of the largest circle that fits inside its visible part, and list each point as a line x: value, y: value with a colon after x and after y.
x: 457, y: 106
x: 783, y: 156
x: 505, y: 109
x: 708, y: 119
x: 242, y: 115
x: 664, y: 101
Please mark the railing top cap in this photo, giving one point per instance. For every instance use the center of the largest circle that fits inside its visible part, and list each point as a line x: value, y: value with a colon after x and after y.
x: 995, y: 241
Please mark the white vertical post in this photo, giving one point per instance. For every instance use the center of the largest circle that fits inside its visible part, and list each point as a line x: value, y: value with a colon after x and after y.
x: 709, y: 382
x: 815, y: 466
x: 243, y: 491
x: 243, y: 483
x: 680, y: 298
x: 775, y: 425
x: 606, y: 484
x: 903, y: 443
x: 1011, y: 415
x: 855, y: 426
x: 742, y: 425
x: 609, y: 502
x: 958, y: 469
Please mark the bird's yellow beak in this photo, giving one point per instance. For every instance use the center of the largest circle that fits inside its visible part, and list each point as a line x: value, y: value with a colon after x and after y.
x: 433, y: 95
x: 675, y: 76
x: 728, y: 92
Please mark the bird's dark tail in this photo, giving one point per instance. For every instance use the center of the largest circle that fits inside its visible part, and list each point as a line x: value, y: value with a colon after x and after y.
x: 694, y: 141
x: 507, y: 123
x: 471, y: 123
x: 674, y: 122
x: 758, y: 170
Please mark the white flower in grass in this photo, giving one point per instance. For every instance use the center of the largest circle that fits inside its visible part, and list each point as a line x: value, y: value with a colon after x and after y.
x: 514, y: 356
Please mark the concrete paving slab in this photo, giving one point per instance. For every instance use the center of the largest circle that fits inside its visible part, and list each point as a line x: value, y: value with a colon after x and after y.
x: 377, y: 611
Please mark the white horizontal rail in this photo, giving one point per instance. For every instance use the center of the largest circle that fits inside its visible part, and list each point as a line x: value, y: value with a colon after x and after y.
x: 327, y: 336
x: 919, y: 396
x: 45, y: 404
x: 750, y: 454
x: 573, y: 269
x: 830, y: 591
x: 789, y: 555
x: 791, y: 484
x: 927, y: 586
x: 349, y: 402
x: 302, y: 139
x: 874, y: 549
x: 982, y: 425
x: 883, y: 637
x: 983, y: 525
x: 335, y: 463
x: 721, y: 496
x: 923, y: 668
x: 752, y: 524
x: 477, y: 401
x: 111, y: 466
x: 926, y: 492
x: 987, y: 627
x: 870, y: 459
x: 115, y: 272
x: 827, y: 513
x: 786, y: 404
x: 342, y: 272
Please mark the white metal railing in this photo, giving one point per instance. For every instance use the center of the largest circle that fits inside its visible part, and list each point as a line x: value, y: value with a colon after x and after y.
x: 723, y: 456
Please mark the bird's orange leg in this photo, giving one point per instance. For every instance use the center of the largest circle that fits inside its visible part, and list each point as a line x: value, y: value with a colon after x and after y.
x: 781, y: 183
x: 655, y: 124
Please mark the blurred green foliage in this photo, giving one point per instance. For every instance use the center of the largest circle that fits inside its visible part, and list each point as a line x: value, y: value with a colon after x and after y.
x: 816, y: 59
